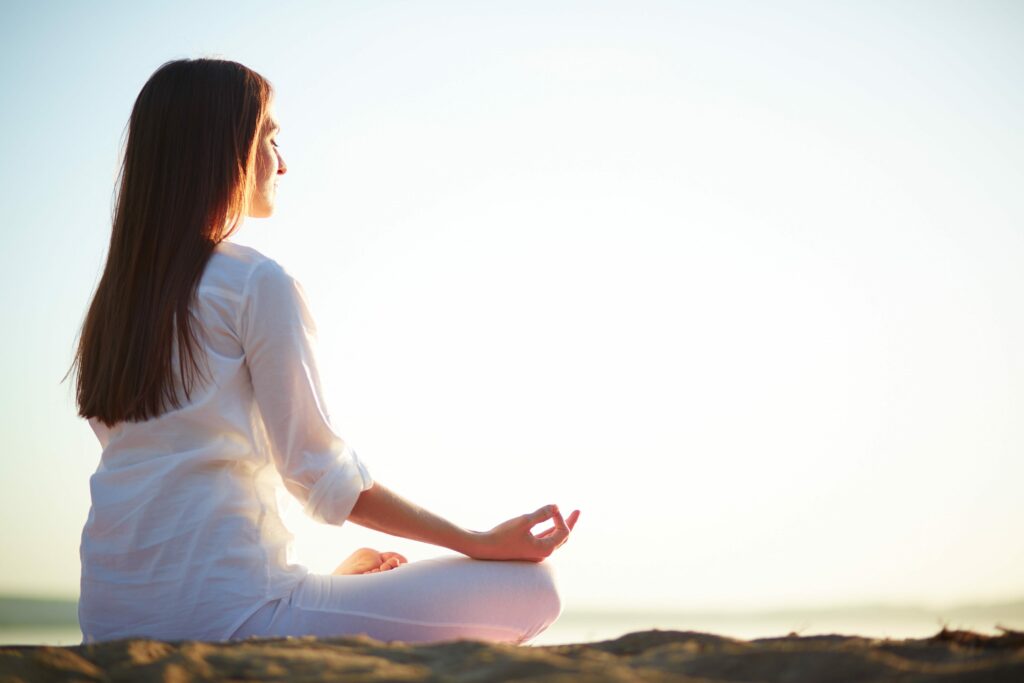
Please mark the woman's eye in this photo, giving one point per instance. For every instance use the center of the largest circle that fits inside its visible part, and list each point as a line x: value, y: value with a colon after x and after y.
x: 274, y: 143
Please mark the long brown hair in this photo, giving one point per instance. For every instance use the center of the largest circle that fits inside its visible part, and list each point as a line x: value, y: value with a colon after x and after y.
x: 185, y: 182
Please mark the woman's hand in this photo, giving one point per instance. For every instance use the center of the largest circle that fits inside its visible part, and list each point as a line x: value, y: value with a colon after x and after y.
x: 514, y: 540
x: 381, y: 509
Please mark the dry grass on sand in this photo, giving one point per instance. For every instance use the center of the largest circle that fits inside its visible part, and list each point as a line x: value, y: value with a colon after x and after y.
x: 643, y: 656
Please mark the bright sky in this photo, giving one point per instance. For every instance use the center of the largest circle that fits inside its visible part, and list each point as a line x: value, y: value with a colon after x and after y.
x: 740, y: 280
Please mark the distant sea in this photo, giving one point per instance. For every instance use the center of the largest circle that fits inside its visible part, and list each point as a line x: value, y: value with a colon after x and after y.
x: 30, y: 621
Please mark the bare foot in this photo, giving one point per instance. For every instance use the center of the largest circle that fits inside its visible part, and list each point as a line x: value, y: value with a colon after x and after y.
x: 369, y: 561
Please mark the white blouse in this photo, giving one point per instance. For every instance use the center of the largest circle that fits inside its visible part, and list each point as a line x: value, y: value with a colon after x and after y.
x: 183, y: 538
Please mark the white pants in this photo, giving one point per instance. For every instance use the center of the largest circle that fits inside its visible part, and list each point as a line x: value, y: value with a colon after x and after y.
x: 424, y: 601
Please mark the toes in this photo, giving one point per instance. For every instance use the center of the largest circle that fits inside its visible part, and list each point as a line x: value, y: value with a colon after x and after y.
x: 386, y: 562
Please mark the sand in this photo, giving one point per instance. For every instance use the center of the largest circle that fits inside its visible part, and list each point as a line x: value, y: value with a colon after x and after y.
x: 643, y: 656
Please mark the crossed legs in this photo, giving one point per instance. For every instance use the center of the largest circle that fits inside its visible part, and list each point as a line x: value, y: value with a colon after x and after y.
x: 425, y: 601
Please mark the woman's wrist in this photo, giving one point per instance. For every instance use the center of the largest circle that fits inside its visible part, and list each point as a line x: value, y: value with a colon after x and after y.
x: 469, y: 543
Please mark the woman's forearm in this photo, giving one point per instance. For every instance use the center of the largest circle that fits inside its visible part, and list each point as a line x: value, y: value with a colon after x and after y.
x: 381, y: 509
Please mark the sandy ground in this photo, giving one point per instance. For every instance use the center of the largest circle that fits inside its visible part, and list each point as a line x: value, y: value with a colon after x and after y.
x: 643, y: 656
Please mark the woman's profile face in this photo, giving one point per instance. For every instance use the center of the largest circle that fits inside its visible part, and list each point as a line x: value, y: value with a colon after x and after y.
x: 269, y: 166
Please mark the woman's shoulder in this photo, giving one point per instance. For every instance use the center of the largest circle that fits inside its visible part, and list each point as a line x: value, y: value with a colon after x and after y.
x: 233, y: 254
x: 232, y: 266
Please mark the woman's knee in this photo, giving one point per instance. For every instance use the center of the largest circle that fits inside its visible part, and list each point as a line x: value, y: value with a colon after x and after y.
x: 544, y: 592
x: 521, y: 595
x: 541, y: 601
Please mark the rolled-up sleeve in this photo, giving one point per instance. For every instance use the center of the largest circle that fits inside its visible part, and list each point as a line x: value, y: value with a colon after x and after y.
x: 279, y: 340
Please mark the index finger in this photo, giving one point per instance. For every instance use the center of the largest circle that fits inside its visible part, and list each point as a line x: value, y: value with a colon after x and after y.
x: 556, y: 535
x: 559, y: 520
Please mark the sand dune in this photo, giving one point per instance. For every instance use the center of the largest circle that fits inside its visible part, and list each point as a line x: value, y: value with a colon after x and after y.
x: 642, y: 656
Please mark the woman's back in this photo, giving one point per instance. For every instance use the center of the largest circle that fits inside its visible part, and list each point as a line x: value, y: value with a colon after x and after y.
x: 183, y: 538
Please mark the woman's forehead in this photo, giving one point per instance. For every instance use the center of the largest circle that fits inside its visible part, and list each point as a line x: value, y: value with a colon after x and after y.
x: 270, y: 123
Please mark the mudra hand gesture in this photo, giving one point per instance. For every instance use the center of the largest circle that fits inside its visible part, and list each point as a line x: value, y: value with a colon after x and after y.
x: 514, y: 539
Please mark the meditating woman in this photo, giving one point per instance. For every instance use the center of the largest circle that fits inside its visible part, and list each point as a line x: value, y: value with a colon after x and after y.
x: 196, y: 370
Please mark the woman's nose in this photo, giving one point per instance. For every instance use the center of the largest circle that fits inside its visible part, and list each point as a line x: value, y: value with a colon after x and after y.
x: 282, y: 167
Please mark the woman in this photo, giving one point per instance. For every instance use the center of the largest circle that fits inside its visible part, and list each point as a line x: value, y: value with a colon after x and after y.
x: 196, y: 370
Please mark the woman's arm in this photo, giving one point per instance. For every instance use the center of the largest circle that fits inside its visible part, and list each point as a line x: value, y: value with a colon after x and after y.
x: 278, y: 336
x: 381, y: 509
